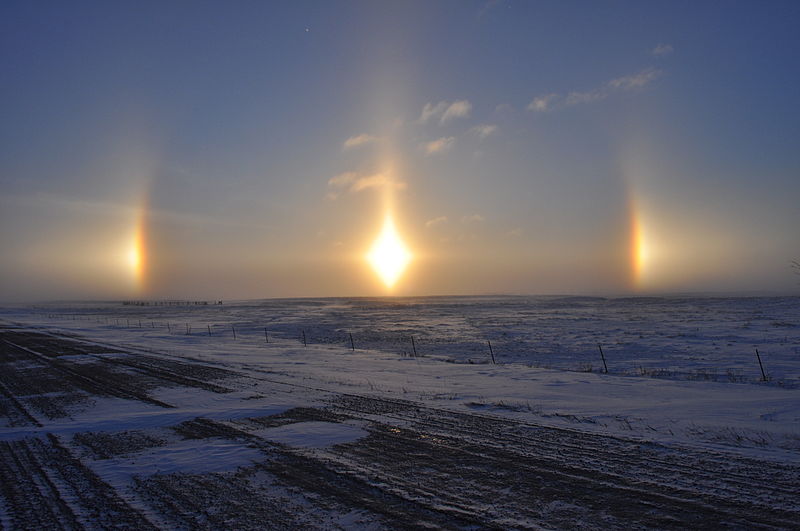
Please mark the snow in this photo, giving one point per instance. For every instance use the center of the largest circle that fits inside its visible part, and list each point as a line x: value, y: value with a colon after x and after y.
x: 194, y: 456
x: 680, y: 369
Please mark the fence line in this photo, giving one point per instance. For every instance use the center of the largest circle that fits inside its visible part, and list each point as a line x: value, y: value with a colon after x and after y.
x: 399, y: 340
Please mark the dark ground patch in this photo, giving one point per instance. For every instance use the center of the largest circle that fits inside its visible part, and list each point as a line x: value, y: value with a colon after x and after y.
x: 101, y: 445
x: 44, y: 487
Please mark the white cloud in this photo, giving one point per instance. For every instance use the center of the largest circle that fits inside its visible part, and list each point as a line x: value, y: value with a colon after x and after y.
x: 343, y: 179
x: 631, y: 82
x: 484, y: 130
x: 352, y: 182
x: 578, y: 98
x: 445, y: 111
x: 440, y: 145
x: 359, y: 140
x: 661, y: 50
x: 542, y: 103
x: 378, y: 180
x: 435, y: 221
x: 635, y: 81
x: 458, y: 109
x: 430, y: 110
x: 514, y: 233
x: 474, y: 218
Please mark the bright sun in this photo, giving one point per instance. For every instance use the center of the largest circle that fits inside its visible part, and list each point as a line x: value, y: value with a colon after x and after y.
x: 389, y: 255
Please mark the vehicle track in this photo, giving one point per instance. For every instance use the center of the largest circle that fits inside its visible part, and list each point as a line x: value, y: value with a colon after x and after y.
x: 86, y: 377
x: 45, y: 487
x: 418, y: 466
x: 150, y: 371
x: 706, y: 468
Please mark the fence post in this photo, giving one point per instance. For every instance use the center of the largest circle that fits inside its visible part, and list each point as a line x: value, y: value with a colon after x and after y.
x: 352, y: 345
x: 763, y: 375
x: 187, y: 329
x: 266, y: 336
x: 304, y: 339
x: 491, y: 351
x: 604, y: 358
x: 209, y: 330
x: 414, y: 346
x: 234, y: 332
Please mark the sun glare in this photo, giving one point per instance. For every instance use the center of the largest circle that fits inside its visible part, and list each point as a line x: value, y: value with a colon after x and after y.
x: 134, y: 258
x: 389, y: 256
x: 136, y: 254
x: 640, y: 252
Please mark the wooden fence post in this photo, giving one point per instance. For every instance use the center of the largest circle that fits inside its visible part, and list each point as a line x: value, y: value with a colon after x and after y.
x: 603, y: 357
x: 763, y: 374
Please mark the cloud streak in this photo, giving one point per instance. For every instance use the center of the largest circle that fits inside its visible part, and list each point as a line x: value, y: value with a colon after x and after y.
x: 661, y: 50
x: 359, y: 140
x: 445, y: 111
x: 352, y: 182
x: 440, y: 145
x: 441, y: 220
x: 484, y: 130
x: 474, y: 218
x: 629, y: 83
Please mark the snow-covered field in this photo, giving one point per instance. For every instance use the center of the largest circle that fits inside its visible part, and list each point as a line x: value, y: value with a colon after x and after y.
x: 682, y: 374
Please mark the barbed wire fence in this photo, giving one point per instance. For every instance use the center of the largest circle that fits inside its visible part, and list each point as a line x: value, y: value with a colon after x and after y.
x: 413, y: 344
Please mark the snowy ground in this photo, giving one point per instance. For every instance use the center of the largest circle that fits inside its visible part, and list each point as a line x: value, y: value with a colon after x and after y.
x: 164, y: 420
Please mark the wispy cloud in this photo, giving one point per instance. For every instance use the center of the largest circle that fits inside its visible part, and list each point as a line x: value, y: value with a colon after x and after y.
x: 542, y: 103
x: 440, y: 145
x: 359, y: 140
x: 474, y: 218
x: 484, y: 130
x: 430, y: 110
x: 445, y: 111
x: 379, y: 180
x: 458, y: 109
x: 441, y: 220
x: 352, y: 182
x: 661, y: 50
x: 343, y: 179
x: 633, y: 82
x: 579, y: 98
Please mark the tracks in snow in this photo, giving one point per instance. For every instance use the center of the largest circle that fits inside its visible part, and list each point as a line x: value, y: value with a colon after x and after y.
x: 45, y: 488
x: 418, y: 466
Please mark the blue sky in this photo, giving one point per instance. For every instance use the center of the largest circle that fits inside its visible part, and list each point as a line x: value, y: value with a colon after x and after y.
x: 252, y: 149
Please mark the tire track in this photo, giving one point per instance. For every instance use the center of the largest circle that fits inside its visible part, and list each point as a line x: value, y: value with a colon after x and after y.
x: 45, y: 487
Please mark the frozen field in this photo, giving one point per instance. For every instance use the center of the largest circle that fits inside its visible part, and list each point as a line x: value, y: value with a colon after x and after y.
x: 678, y: 338
x: 158, y: 416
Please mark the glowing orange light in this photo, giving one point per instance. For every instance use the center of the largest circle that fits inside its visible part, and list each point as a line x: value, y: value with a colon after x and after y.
x: 389, y: 256
x: 136, y: 254
x: 641, y: 251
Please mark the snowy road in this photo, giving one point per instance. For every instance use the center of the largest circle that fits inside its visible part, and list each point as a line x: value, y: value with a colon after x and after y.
x: 100, y: 436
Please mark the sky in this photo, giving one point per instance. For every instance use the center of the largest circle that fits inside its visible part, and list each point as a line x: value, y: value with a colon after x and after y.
x: 218, y: 150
